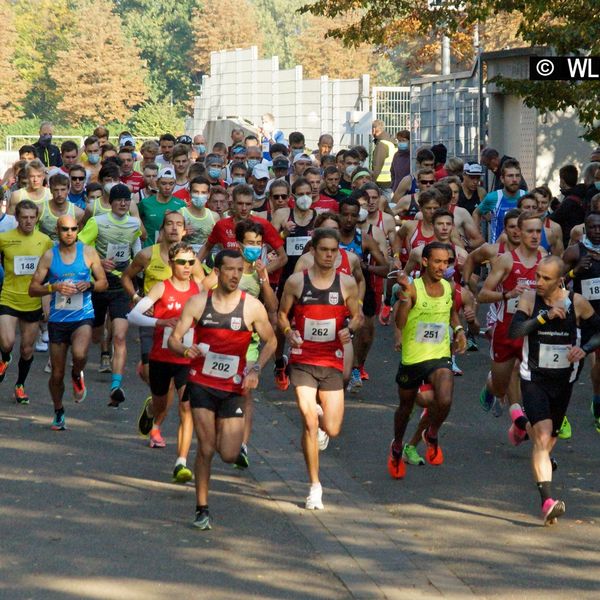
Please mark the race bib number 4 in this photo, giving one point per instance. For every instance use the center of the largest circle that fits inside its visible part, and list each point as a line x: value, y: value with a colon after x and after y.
x: 222, y: 366
x: 117, y: 252
x: 590, y: 288
x: 188, y: 338
x: 431, y: 333
x: 553, y: 356
x: 317, y: 330
x: 294, y: 246
x: 74, y: 302
x: 25, y: 265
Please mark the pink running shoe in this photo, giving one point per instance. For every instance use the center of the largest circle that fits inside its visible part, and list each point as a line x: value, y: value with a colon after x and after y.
x: 551, y: 510
x: 516, y: 436
x: 156, y: 439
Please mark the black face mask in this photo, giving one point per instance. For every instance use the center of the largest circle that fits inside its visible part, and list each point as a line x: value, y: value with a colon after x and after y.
x: 45, y: 139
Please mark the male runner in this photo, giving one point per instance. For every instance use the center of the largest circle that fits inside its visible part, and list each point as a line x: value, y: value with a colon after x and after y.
x: 321, y: 300
x: 199, y: 219
x: 67, y: 268
x: 225, y: 319
x: 115, y: 235
x: 21, y: 249
x: 167, y: 299
x: 548, y: 320
x: 58, y: 206
x: 511, y: 275
x: 425, y: 314
x: 35, y: 172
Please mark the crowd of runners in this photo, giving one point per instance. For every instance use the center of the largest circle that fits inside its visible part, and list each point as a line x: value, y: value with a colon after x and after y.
x: 261, y: 255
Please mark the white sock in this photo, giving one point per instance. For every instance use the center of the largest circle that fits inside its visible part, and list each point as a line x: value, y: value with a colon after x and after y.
x: 315, y: 487
x: 181, y: 461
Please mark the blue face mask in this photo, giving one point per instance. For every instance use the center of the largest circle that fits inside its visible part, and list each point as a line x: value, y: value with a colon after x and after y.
x: 252, y: 162
x: 252, y: 253
x: 93, y: 159
x: 200, y: 200
x: 597, y: 185
x: 200, y: 148
x: 238, y: 180
x: 214, y: 173
x: 402, y: 145
x: 588, y: 244
x: 296, y: 151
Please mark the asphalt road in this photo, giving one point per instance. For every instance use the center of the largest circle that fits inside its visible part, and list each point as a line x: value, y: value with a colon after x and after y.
x: 91, y: 512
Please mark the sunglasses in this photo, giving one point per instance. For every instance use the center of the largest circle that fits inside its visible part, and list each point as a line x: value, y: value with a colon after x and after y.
x: 183, y: 261
x: 65, y: 229
x: 73, y: 178
x: 426, y: 181
x: 280, y: 196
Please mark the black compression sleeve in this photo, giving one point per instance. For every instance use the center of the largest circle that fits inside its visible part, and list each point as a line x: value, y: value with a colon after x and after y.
x: 590, y: 331
x: 522, y: 325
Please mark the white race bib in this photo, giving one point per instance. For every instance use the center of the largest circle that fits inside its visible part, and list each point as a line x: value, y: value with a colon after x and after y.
x: 294, y: 246
x: 223, y: 366
x: 511, y: 305
x: 117, y: 252
x: 319, y: 330
x: 74, y: 302
x: 590, y: 288
x: 554, y: 356
x: 25, y: 265
x: 431, y: 333
x: 188, y: 338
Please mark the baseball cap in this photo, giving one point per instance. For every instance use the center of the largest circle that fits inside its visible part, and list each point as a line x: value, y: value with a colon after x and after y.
x: 184, y: 139
x: 260, y: 171
x: 213, y: 160
x: 119, y: 192
x: 127, y: 140
x: 281, y: 163
x: 302, y: 157
x: 166, y: 173
x: 473, y: 169
x: 361, y: 173
x: 238, y: 149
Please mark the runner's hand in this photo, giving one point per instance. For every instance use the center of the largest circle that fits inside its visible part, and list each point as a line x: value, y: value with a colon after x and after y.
x: 250, y: 381
x: 108, y: 264
x: 65, y: 288
x: 460, y: 342
x: 193, y: 352
x: 403, y: 280
x: 469, y: 314
x: 167, y: 323
x: 294, y: 338
x: 556, y: 312
x: 575, y: 354
x: 344, y: 336
x: 583, y: 264
x: 84, y: 286
x: 261, y: 269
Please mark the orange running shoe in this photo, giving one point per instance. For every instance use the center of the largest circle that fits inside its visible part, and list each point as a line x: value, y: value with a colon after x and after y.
x: 384, y: 314
x: 363, y: 374
x: 4, y: 367
x: 20, y: 396
x: 434, y: 454
x: 395, y: 464
x: 156, y: 439
x: 282, y: 380
x: 79, y: 388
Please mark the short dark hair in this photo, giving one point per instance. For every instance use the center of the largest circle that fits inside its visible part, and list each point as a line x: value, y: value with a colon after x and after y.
x: 198, y: 180
x: 223, y: 254
x: 513, y: 213
x: 510, y: 163
x: 424, y: 154
x: 109, y: 169
x: 440, y: 152
x: 237, y: 164
x: 26, y: 205
x: 76, y: 167
x: 280, y: 183
x: 59, y: 179
x: 528, y: 215
x: 352, y: 153
x: 179, y: 247
x: 251, y: 136
x: 279, y: 148
x: 68, y: 146
x: 441, y: 212
x: 300, y: 181
x: 349, y: 201
x: 219, y: 146
x: 330, y: 170
x: 167, y: 137
x: 93, y: 187
x: 126, y: 150
x: 312, y: 171
x: 427, y: 196
x: 444, y: 190
x: 297, y: 137
x: 429, y: 248
x: 529, y: 196
x: 242, y: 190
x: 247, y: 225
x: 323, y: 233
x: 569, y: 174
x: 26, y: 148
x: 92, y: 139
x: 326, y: 216
x: 168, y: 213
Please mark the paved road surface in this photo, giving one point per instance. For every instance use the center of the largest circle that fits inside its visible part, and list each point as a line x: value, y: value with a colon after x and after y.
x: 91, y: 513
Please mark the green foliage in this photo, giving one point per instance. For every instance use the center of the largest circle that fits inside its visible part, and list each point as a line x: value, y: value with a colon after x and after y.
x: 156, y: 117
x: 163, y: 32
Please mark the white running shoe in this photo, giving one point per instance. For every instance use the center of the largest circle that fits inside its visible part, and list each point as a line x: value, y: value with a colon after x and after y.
x: 323, y: 439
x: 314, y: 500
x: 48, y: 367
x: 41, y: 345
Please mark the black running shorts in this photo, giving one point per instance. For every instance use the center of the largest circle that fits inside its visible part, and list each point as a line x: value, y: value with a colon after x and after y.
x: 547, y: 399
x: 225, y: 405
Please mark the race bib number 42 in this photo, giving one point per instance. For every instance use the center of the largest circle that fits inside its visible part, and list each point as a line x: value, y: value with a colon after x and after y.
x: 319, y: 330
x: 25, y: 265
x: 222, y: 366
x: 117, y: 252
x: 431, y: 333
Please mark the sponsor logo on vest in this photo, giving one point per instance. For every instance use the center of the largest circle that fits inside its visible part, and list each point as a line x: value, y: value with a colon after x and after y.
x: 236, y: 323
x: 333, y: 297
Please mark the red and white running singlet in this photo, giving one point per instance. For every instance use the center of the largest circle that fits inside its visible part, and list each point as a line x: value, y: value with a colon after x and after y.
x: 169, y: 306
x: 416, y: 239
x: 226, y: 338
x: 344, y: 266
x: 319, y: 316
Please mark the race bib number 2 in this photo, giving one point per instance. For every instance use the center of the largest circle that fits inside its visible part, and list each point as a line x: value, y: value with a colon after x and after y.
x: 25, y: 265
x: 554, y: 356
x: 222, y: 366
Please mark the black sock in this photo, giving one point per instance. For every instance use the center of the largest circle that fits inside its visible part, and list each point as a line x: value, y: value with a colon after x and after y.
x: 544, y: 490
x: 200, y: 508
x: 104, y: 354
x: 5, y: 356
x: 24, y: 366
x: 279, y: 363
x: 59, y: 412
x: 75, y: 375
x: 521, y: 423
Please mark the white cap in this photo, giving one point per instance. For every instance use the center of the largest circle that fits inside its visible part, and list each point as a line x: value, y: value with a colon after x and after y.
x: 473, y: 169
x: 260, y: 171
x: 166, y: 173
x: 302, y: 157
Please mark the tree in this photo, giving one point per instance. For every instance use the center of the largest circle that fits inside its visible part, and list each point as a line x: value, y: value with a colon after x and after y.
x: 100, y: 77
x: 155, y: 117
x: 13, y: 90
x: 322, y: 55
x: 43, y: 28
x: 568, y: 26
x: 163, y: 33
x: 223, y: 25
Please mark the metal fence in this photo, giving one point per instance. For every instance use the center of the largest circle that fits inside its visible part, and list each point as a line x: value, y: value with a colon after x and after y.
x: 392, y: 106
x: 14, y: 142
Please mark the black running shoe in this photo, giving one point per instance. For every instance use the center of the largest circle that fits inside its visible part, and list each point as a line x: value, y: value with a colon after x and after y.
x: 202, y: 520
x: 117, y: 397
x: 145, y: 421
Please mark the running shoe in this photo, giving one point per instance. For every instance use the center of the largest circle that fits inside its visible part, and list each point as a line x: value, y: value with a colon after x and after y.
x: 596, y: 416
x: 515, y: 435
x: 597, y: 424
x: 202, y: 520
x: 20, y: 396
x: 364, y: 376
x: 472, y: 343
x: 486, y: 399
x: 145, y: 421
x: 4, y: 367
x: 156, y: 439
x: 45, y: 336
x: 411, y: 456
x: 282, y: 380
x: 314, y: 500
x: 58, y: 423
x: 433, y: 454
x: 41, y: 345
x: 554, y: 463
x: 48, y: 367
x: 395, y: 464
x: 105, y: 366
x: 456, y: 369
x: 497, y: 409
x: 384, y: 314
x: 564, y: 433
x: 322, y: 439
x: 182, y: 474
x: 355, y: 382
x: 79, y: 389
x: 117, y: 397
x: 551, y: 510
x: 242, y: 462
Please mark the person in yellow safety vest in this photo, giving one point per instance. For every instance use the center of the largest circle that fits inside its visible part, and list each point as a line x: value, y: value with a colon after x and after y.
x: 382, y: 156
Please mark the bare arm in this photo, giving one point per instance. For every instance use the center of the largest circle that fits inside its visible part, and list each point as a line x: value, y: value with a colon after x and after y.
x: 137, y: 265
x: 279, y: 261
x: 191, y: 312
x: 500, y: 270
x: 470, y: 229
x: 100, y: 281
x: 357, y: 273
x: 37, y: 288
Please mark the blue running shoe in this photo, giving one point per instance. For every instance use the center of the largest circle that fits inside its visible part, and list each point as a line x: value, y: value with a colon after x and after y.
x: 486, y: 399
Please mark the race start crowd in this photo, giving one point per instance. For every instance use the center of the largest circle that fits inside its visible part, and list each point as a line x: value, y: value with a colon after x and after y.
x: 263, y: 249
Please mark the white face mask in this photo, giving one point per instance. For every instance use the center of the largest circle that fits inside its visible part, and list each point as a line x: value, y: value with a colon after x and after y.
x: 304, y: 202
x: 200, y: 200
x: 109, y: 186
x: 362, y: 215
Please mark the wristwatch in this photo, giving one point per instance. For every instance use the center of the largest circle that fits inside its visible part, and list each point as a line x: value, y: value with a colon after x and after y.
x: 256, y: 368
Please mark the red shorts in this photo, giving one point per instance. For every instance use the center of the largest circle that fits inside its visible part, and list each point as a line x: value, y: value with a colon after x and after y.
x: 504, y: 348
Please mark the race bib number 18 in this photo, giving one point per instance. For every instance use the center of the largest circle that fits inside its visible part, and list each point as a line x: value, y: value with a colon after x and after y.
x: 590, y: 288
